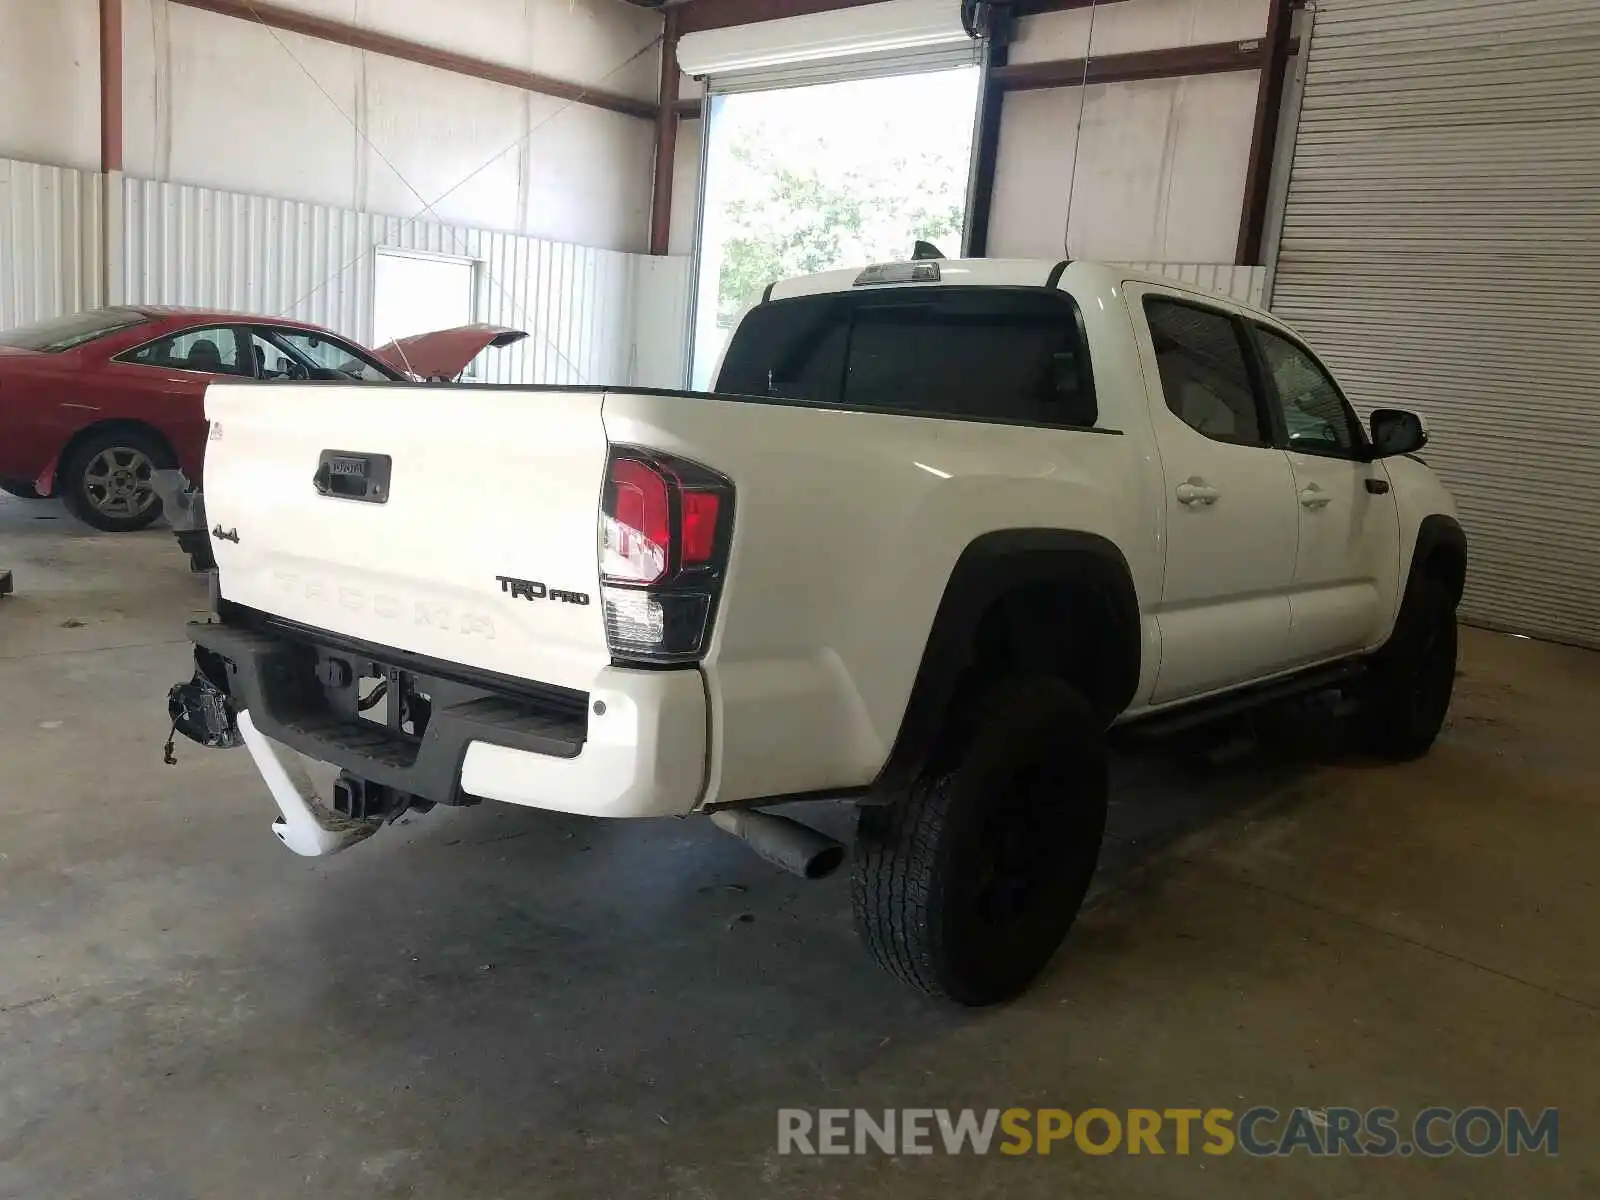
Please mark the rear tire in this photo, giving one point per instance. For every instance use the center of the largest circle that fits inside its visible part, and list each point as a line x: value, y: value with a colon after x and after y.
x: 965, y: 884
x: 1413, y: 677
x: 106, y: 480
x: 20, y: 488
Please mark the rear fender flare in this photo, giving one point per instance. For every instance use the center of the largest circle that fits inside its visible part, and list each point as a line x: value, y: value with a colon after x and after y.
x: 991, y: 566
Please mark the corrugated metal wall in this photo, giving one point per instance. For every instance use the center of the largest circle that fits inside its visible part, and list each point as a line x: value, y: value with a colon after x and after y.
x: 196, y: 246
x: 1441, y: 244
x: 49, y: 241
x: 1244, y: 284
x: 594, y: 316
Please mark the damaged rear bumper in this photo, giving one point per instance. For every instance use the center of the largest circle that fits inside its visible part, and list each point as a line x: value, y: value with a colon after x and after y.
x: 306, y: 824
x: 634, y: 745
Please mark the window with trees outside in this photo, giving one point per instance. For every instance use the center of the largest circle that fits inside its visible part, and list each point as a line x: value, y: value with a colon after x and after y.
x: 832, y: 175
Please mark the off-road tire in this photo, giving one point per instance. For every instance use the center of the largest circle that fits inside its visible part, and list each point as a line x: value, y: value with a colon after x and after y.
x: 1407, y: 694
x: 965, y: 883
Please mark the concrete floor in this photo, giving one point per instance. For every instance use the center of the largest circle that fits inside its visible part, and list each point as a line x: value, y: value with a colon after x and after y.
x: 495, y: 1003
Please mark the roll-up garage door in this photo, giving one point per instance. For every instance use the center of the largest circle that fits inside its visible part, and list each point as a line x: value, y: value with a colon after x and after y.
x: 1441, y: 245
x: 891, y: 37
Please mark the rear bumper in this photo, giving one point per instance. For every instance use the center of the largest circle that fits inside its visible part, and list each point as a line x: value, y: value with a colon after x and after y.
x: 634, y: 746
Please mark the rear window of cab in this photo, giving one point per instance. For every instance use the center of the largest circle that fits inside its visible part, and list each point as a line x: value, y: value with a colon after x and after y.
x: 1009, y: 355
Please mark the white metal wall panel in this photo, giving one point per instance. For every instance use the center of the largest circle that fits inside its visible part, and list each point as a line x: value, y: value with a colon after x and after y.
x: 198, y: 246
x: 1244, y: 284
x: 1156, y: 173
x: 661, y: 294
x: 49, y: 242
x: 1441, y: 245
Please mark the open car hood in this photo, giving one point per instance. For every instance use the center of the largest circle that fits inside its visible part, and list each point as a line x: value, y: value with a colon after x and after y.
x: 445, y: 353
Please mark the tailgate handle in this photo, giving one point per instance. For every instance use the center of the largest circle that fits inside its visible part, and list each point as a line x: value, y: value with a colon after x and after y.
x: 351, y: 475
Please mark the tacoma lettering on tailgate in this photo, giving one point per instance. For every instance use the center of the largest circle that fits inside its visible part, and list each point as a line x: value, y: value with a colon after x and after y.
x: 427, y: 614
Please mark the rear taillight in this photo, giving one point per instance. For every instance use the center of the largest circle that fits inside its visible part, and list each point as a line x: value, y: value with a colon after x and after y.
x: 700, y: 510
x: 636, y: 528
x: 665, y: 528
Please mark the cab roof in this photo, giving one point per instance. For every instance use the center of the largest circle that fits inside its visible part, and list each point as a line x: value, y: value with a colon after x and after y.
x: 1084, y: 278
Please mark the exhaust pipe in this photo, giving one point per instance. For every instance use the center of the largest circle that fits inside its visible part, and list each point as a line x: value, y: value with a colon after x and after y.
x: 796, y: 848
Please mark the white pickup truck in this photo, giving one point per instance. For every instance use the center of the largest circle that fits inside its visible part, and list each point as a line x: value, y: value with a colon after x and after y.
x: 941, y: 526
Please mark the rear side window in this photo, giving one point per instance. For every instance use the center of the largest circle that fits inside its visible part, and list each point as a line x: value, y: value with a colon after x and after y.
x: 791, y: 349
x: 982, y: 354
x: 1203, y: 373
x: 210, y: 351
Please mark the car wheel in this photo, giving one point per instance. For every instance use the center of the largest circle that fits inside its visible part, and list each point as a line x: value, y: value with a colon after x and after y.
x: 965, y: 884
x: 1413, y: 677
x: 107, y: 480
x: 20, y: 488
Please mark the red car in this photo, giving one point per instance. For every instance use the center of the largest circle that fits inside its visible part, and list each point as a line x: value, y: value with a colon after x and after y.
x: 92, y: 404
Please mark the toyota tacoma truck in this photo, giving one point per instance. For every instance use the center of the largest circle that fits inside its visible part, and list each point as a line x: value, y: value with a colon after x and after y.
x: 939, y: 528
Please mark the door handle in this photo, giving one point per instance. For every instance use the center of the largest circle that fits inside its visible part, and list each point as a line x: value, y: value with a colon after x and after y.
x: 1196, y: 492
x: 1315, y: 497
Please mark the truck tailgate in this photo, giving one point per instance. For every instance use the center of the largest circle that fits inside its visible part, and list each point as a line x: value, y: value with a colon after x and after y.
x: 455, y: 523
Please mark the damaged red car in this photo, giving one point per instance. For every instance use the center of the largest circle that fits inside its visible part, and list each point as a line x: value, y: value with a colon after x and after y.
x: 94, y: 404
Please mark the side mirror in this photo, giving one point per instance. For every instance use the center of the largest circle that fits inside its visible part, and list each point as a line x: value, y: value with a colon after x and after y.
x: 1396, y: 432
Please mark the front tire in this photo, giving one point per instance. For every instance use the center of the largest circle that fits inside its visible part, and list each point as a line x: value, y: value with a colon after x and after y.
x: 965, y: 884
x: 1413, y: 677
x: 107, y: 481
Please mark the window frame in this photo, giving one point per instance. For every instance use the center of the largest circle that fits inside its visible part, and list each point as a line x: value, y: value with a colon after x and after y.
x: 1254, y: 367
x: 1360, y: 452
x: 259, y: 333
x: 240, y: 339
x: 851, y: 300
x: 275, y: 335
